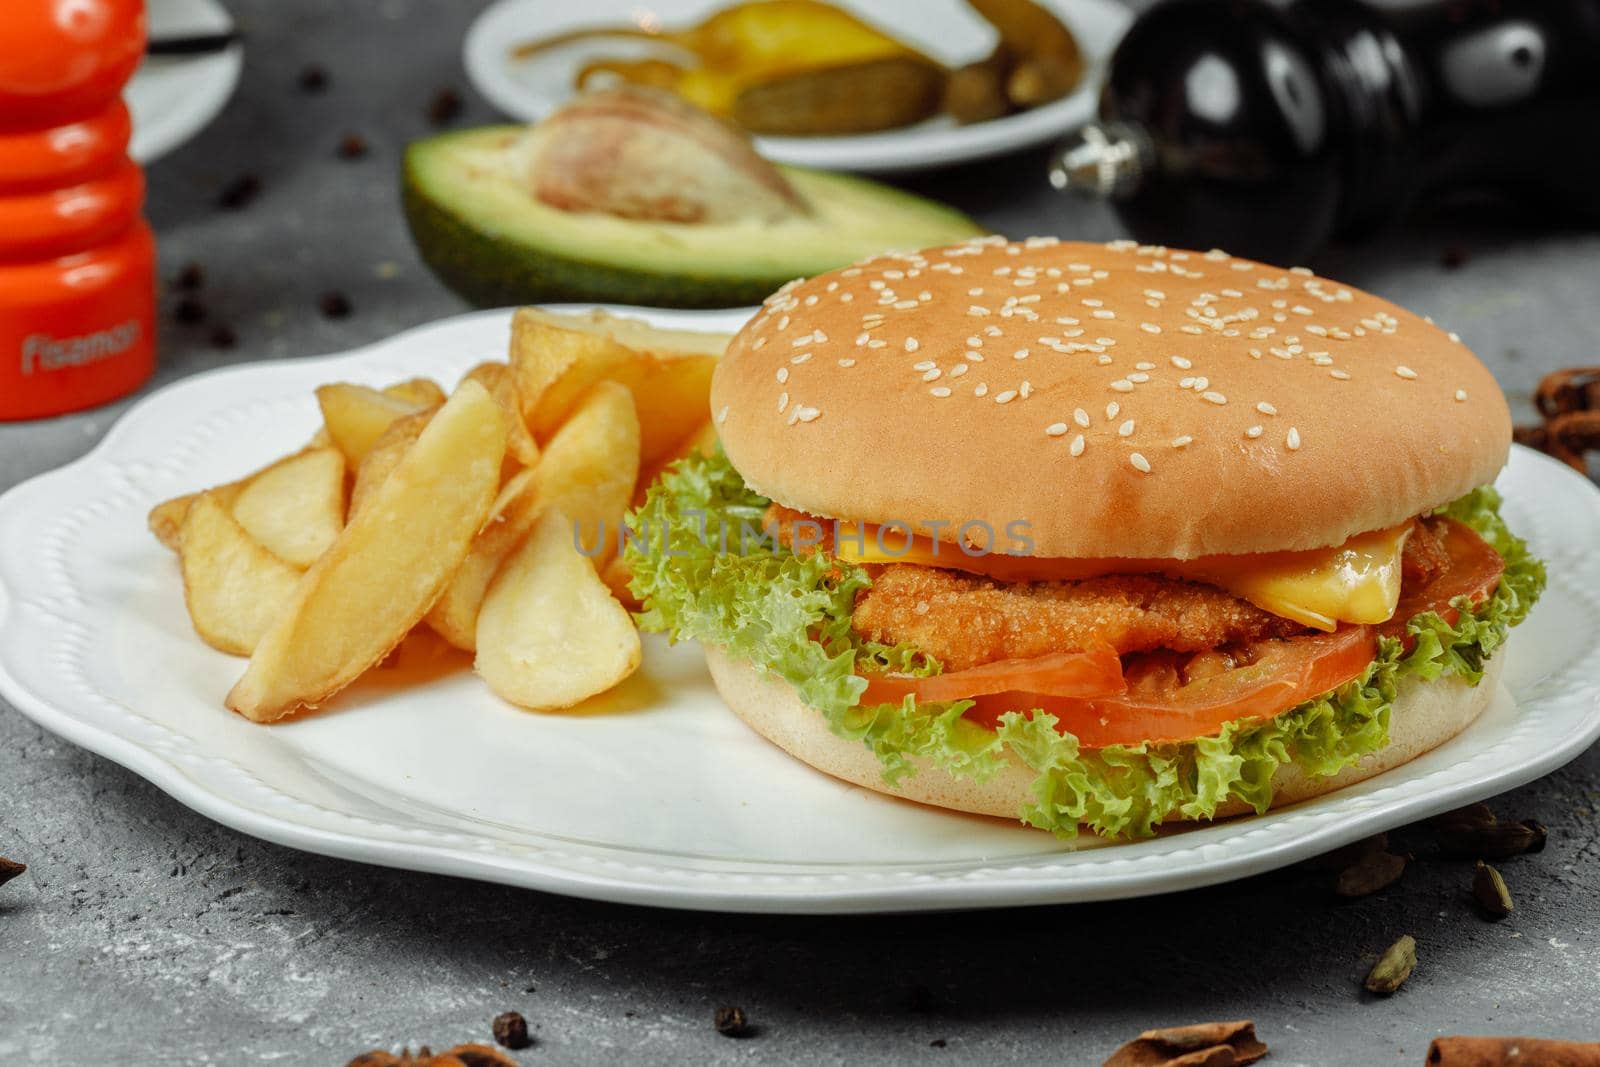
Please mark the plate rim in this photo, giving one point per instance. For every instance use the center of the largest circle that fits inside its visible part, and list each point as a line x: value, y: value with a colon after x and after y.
x: 885, y: 152
x: 149, y: 143
x: 1030, y: 881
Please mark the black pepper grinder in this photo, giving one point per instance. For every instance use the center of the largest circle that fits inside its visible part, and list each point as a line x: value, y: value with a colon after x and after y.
x: 1268, y: 127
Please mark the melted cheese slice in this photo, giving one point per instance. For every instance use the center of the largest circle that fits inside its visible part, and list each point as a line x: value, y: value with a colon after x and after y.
x: 1358, y: 581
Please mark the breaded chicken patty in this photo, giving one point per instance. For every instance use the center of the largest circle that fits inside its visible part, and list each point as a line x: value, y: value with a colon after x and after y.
x: 966, y: 620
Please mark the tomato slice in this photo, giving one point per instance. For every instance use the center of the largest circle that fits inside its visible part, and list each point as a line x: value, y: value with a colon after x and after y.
x: 1159, y: 705
x: 1474, y: 572
x: 1097, y: 672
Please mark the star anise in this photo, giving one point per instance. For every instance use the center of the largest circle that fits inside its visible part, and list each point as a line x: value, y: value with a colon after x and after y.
x: 1569, y: 401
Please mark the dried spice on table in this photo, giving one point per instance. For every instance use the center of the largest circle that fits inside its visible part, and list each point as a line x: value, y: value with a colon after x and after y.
x: 1221, y: 1044
x: 1569, y: 404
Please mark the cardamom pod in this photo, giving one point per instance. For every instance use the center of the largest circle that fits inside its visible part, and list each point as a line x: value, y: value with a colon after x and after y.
x: 1340, y: 858
x: 1372, y: 872
x: 1489, y: 890
x: 1393, y: 967
x: 1495, y: 841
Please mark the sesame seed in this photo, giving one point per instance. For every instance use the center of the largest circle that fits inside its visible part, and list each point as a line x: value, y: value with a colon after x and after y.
x: 940, y: 391
x: 1405, y: 372
x: 1122, y: 385
x: 847, y: 363
x: 958, y: 370
x: 1253, y: 432
x: 1005, y: 397
x: 1021, y: 353
x: 1025, y: 389
x: 1144, y: 366
x: 981, y: 390
x: 1140, y: 464
x: 1105, y: 340
x: 783, y: 402
x: 912, y: 344
x: 1214, y: 397
x: 783, y: 375
x: 1180, y: 442
x: 975, y: 292
x: 801, y: 358
x: 1185, y: 383
x: 1139, y: 377
x: 1456, y: 337
x: 1104, y: 361
x: 975, y: 310
x: 1126, y: 429
x: 1091, y: 302
x: 722, y: 416
x: 1056, y: 429
x: 974, y: 341
x: 926, y: 364
x: 1461, y: 396
x: 992, y: 331
x: 1292, y: 440
x: 932, y: 374
x: 1191, y: 328
x: 1202, y: 383
x: 805, y: 414
x: 877, y: 344
x: 1081, y: 417
x: 1341, y: 375
x: 1112, y: 409
x: 1266, y: 408
x: 783, y: 323
x: 1104, y: 314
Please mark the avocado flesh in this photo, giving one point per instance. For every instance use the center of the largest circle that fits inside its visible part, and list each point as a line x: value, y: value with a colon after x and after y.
x: 494, y: 244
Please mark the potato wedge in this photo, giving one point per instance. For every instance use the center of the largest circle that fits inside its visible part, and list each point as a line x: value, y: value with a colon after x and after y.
x: 295, y: 509
x: 386, y: 454
x: 362, y: 597
x: 502, y: 385
x: 234, y: 587
x: 166, y: 518
x: 617, y: 575
x: 356, y: 416
x: 587, y: 470
x: 550, y: 634
x: 424, y: 392
x: 558, y: 358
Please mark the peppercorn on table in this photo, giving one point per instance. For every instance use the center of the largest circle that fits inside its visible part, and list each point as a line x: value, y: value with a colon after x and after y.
x: 143, y: 933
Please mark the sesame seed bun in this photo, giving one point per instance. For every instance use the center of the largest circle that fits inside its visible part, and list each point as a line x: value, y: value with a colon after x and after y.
x: 1120, y: 400
x: 1425, y: 716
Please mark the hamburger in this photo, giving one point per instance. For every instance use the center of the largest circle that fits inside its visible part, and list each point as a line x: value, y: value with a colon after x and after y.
x: 1098, y: 536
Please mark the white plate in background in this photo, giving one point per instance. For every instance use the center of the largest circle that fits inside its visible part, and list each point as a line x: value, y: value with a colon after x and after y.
x: 655, y: 793
x: 173, y: 97
x: 947, y: 30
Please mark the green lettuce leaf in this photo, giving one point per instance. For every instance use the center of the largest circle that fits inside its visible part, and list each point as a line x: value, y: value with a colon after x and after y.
x: 704, y: 570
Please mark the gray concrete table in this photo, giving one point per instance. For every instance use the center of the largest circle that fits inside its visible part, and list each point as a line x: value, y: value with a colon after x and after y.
x: 143, y: 933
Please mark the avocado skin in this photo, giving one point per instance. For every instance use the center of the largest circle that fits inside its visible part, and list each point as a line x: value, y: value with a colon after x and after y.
x: 489, y: 271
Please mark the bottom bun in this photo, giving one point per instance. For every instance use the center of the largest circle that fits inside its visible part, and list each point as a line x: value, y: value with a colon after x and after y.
x: 1425, y: 716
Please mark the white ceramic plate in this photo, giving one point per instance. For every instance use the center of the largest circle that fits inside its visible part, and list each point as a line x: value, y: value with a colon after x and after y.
x: 173, y: 97
x: 947, y: 30
x: 657, y: 794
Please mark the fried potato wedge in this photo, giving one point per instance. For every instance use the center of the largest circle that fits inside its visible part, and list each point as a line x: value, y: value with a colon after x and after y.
x: 356, y: 416
x: 617, y: 576
x: 587, y: 470
x: 558, y: 358
x: 233, y: 586
x: 166, y: 518
x: 423, y: 392
x: 502, y: 385
x: 295, y: 509
x: 550, y: 634
x: 361, y: 598
x: 386, y: 454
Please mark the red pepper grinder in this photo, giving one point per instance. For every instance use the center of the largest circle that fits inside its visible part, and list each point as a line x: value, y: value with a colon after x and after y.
x: 77, y: 259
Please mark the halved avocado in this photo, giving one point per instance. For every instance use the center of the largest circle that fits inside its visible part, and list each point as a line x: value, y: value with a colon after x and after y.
x: 494, y: 244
